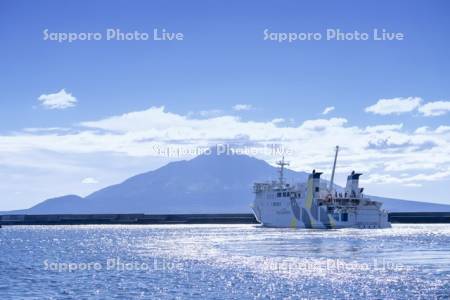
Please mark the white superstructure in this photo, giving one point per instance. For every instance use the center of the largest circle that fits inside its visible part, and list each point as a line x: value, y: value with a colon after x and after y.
x: 312, y: 205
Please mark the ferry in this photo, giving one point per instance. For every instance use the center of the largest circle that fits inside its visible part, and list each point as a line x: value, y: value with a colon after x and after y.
x: 315, y: 205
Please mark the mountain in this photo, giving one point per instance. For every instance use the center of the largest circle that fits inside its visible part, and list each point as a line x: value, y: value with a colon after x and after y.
x: 206, y: 184
x: 57, y: 205
x: 397, y: 205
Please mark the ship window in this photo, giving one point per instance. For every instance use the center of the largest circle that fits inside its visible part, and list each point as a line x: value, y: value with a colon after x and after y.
x: 276, y: 203
x: 336, y: 217
x: 284, y: 194
x: 317, y: 188
x: 344, y: 217
x: 278, y: 195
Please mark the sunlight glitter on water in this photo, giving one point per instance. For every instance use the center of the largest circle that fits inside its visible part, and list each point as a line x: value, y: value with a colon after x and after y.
x: 227, y: 261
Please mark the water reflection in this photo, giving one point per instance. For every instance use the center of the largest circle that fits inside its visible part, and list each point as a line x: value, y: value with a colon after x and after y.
x: 226, y: 261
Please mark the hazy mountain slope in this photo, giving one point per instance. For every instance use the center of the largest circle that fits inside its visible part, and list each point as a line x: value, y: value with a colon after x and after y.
x: 206, y: 184
x: 56, y: 205
x: 215, y: 183
x: 397, y: 205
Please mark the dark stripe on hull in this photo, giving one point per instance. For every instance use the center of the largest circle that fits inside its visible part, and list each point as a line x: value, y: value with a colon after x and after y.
x: 306, y: 219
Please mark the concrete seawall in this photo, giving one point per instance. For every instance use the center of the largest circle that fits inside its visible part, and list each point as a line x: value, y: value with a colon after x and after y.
x: 80, y: 219
x: 420, y: 217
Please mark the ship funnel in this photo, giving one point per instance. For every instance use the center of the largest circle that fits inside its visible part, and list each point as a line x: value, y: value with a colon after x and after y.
x: 352, y: 188
x: 314, y: 183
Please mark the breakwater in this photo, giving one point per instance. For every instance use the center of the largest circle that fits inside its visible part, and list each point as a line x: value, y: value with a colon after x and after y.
x: 419, y: 217
x: 80, y: 219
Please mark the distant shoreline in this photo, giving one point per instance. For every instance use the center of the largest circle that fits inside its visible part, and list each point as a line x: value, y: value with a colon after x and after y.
x: 104, y: 219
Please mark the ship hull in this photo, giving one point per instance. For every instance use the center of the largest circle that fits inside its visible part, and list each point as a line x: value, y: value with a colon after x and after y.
x: 290, y: 213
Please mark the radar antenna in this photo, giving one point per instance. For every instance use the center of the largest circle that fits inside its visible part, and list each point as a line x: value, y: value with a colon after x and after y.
x: 282, y: 163
x: 334, y: 169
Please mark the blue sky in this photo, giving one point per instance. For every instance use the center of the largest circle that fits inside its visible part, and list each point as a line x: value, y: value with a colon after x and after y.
x: 222, y: 61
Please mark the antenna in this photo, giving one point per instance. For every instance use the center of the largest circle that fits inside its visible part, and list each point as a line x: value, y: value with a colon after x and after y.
x: 282, y: 163
x: 334, y: 169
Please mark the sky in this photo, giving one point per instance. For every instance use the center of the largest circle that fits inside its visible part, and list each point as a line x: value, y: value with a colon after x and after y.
x: 81, y: 115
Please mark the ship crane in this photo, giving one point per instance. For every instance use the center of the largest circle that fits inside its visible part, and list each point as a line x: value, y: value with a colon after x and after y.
x: 331, y: 188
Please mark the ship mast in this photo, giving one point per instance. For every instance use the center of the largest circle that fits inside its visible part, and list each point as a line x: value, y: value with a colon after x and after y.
x: 334, y: 169
x: 282, y: 163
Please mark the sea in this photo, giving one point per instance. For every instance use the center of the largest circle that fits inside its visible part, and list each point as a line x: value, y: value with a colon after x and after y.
x: 224, y: 262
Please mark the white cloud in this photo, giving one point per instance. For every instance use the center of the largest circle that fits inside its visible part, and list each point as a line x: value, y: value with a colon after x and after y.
x: 320, y: 124
x: 59, y: 100
x: 210, y: 113
x: 384, y: 128
x: 327, y: 110
x: 240, y: 107
x: 382, y: 149
x: 89, y: 180
x: 394, y: 105
x: 443, y: 129
x: 278, y: 120
x: 47, y: 129
x: 436, y: 108
x: 422, y: 129
x: 403, y: 105
x: 415, y: 180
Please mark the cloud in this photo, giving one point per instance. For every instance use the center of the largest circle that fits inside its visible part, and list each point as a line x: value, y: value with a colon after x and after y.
x: 394, y: 105
x: 59, y: 100
x: 422, y: 130
x: 47, y: 129
x: 320, y: 124
x: 380, y: 149
x: 210, y: 113
x: 277, y: 120
x: 437, y: 108
x: 442, y: 129
x: 327, y: 110
x: 403, y: 105
x: 89, y: 180
x: 383, y: 128
x: 415, y: 180
x: 240, y: 107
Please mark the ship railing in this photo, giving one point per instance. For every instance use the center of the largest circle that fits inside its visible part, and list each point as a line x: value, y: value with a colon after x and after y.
x: 346, y: 201
x: 337, y: 202
x: 260, y: 187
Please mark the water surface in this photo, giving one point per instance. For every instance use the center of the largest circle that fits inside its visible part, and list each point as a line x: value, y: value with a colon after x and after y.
x: 223, y: 262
